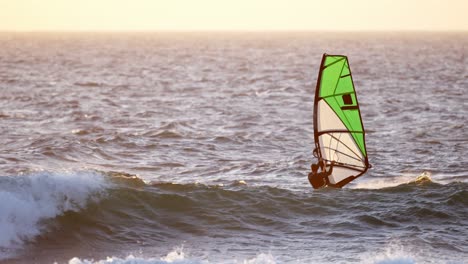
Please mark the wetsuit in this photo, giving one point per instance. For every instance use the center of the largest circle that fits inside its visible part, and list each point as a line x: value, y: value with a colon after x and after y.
x: 320, y: 179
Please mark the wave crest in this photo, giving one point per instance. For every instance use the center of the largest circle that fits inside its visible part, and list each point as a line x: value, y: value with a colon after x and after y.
x: 28, y: 200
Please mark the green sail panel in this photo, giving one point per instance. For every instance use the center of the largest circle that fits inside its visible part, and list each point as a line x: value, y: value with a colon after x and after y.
x: 337, y: 89
x: 338, y: 129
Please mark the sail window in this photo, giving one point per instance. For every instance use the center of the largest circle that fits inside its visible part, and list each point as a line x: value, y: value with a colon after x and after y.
x: 347, y: 99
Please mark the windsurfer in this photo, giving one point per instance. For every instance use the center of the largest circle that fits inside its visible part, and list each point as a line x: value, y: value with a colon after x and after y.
x: 320, y: 179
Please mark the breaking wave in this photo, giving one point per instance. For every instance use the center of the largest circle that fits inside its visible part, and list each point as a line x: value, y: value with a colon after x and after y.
x: 29, y: 201
x: 111, y: 210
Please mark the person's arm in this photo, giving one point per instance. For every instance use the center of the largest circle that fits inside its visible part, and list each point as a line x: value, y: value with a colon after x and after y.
x: 323, y: 165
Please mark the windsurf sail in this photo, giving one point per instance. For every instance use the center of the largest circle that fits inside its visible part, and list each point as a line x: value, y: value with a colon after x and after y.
x: 338, y: 129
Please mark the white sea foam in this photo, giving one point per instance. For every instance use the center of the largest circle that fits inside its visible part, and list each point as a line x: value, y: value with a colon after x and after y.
x: 379, y: 183
x: 131, y: 260
x: 262, y: 258
x: 177, y: 256
x: 396, y: 260
x: 27, y: 200
x: 395, y: 252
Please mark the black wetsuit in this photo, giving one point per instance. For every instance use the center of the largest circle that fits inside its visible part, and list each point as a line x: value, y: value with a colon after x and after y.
x: 320, y: 179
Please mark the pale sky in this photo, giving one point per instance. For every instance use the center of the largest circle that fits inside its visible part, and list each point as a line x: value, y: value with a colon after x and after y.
x: 237, y: 15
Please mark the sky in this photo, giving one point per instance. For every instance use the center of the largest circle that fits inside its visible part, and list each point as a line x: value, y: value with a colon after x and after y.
x: 233, y: 15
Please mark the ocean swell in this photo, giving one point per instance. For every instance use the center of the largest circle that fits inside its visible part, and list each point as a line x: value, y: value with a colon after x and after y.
x: 29, y: 200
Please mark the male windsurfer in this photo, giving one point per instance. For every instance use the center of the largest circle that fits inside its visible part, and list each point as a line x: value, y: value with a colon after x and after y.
x: 320, y: 179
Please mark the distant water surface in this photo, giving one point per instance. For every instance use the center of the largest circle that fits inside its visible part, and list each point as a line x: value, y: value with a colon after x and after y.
x: 195, y: 147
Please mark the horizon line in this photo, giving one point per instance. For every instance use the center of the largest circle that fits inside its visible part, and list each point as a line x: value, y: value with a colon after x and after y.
x: 238, y: 31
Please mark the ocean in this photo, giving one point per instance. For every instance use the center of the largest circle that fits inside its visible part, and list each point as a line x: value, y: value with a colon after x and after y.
x: 195, y: 148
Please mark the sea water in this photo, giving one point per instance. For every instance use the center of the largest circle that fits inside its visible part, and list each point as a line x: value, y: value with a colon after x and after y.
x: 195, y: 148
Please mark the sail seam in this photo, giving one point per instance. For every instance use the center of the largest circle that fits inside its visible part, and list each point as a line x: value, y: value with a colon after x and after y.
x: 357, y: 155
x: 336, y: 85
x: 334, y: 62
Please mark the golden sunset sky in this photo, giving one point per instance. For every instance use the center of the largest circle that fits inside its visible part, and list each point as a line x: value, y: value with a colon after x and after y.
x: 233, y: 15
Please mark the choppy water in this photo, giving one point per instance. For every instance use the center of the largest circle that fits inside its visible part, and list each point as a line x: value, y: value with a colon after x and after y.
x: 218, y: 129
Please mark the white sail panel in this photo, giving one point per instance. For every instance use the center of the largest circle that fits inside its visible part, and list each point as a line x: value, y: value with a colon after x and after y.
x: 327, y: 118
x: 341, y: 173
x: 336, y: 146
x: 343, y: 150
